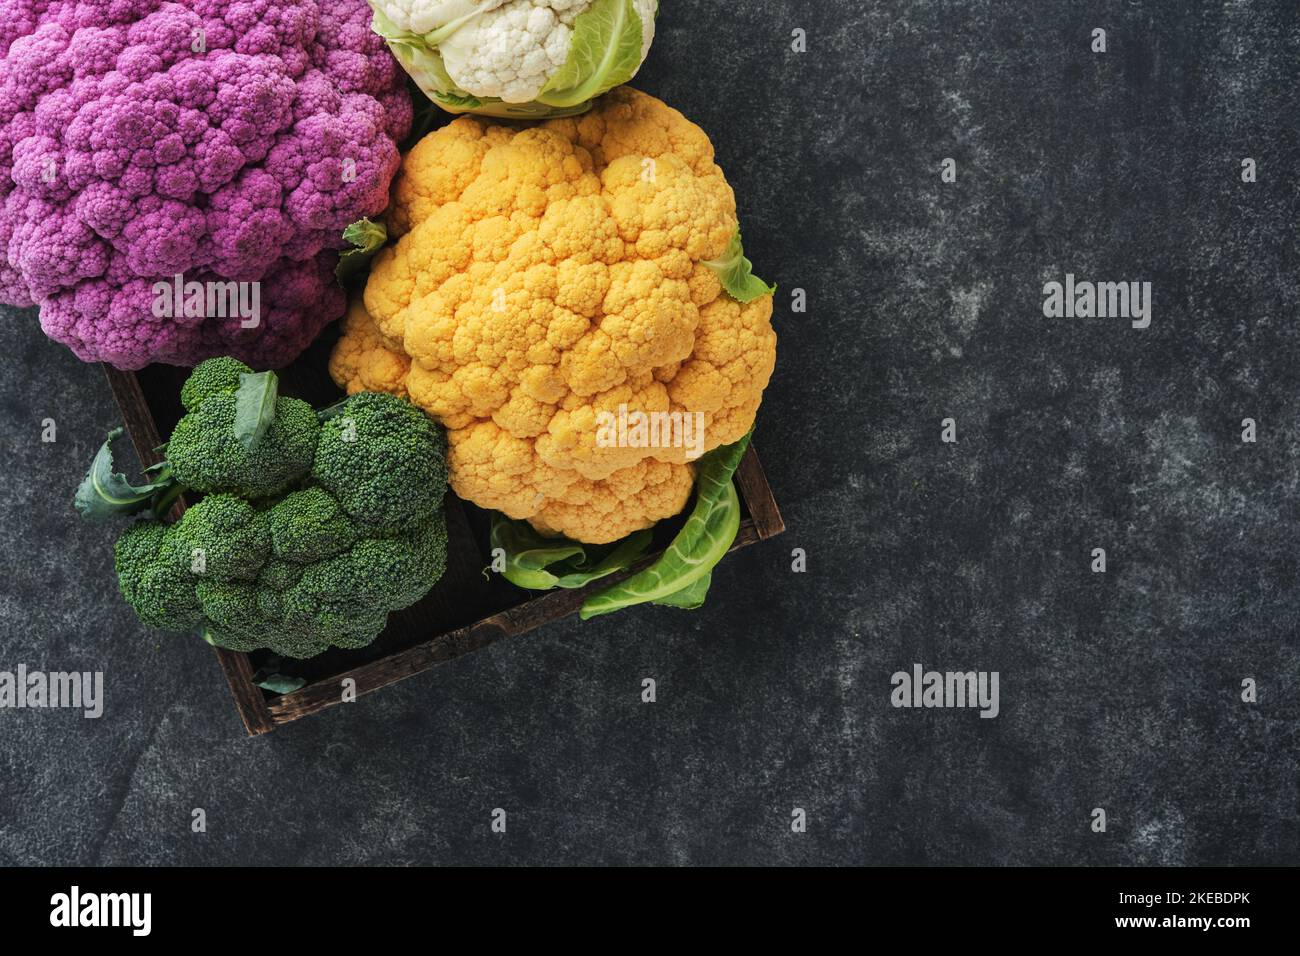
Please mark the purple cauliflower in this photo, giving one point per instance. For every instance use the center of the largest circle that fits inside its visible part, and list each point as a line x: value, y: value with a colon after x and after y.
x: 226, y: 141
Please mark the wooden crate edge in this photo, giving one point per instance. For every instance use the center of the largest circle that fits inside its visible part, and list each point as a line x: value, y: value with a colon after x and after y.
x: 758, y: 496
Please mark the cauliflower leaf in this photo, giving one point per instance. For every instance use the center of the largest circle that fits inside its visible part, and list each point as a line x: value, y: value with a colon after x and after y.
x: 366, y: 238
x: 736, y: 273
x: 539, y: 563
x: 605, y: 52
x: 681, y: 576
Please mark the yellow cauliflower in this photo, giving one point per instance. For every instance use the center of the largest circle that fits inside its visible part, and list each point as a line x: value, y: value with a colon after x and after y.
x: 546, y: 275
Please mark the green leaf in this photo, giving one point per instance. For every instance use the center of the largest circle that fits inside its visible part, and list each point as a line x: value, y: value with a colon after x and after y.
x: 422, y: 61
x: 533, y: 110
x: 268, y: 676
x: 539, y: 563
x: 254, y: 406
x: 605, y: 52
x: 690, y: 597
x: 737, y: 273
x: 678, y: 577
x: 623, y: 554
x: 279, y: 684
x: 528, y: 554
x: 460, y: 101
x: 105, y: 493
x: 367, y: 238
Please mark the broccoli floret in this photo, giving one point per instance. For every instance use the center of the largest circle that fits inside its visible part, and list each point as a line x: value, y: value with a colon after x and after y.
x: 222, y: 537
x: 216, y: 376
x: 305, y: 542
x: 206, y: 456
x: 346, y: 598
x: 139, y: 544
x: 277, y: 640
x: 298, y: 646
x: 383, y: 459
x: 417, y: 570
x: 279, y: 574
x: 161, y: 594
x: 392, y: 573
x: 309, y: 525
x: 246, y: 617
x: 339, y: 623
x: 232, y: 610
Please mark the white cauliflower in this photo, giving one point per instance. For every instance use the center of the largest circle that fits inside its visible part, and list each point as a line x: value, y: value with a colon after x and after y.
x: 425, y: 16
x: 510, y: 52
x: 497, y: 56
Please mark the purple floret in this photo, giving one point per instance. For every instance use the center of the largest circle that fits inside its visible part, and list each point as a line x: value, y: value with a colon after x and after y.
x: 223, y: 141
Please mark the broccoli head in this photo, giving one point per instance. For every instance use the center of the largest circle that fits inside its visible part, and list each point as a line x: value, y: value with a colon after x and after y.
x: 223, y: 536
x: 308, y: 526
x: 215, y: 376
x: 279, y: 575
x: 383, y: 459
x: 234, y: 617
x: 304, y: 542
x: 207, y: 456
x: 160, y: 592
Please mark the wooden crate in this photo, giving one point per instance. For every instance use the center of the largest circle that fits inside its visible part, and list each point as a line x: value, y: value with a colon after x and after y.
x: 466, y: 610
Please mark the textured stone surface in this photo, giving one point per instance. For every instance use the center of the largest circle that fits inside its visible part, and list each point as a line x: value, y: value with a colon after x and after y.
x: 1118, y: 690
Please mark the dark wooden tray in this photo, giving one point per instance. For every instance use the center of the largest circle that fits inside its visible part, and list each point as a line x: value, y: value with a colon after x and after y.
x: 468, y: 609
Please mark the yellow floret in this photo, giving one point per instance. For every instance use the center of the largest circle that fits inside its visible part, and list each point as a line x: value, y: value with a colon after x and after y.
x: 545, y: 276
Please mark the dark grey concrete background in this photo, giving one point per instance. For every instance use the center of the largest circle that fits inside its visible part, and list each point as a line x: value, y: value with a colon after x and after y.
x: 1119, y: 690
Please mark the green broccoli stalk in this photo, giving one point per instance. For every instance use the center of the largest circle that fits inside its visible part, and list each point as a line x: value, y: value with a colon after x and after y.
x: 309, y: 533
